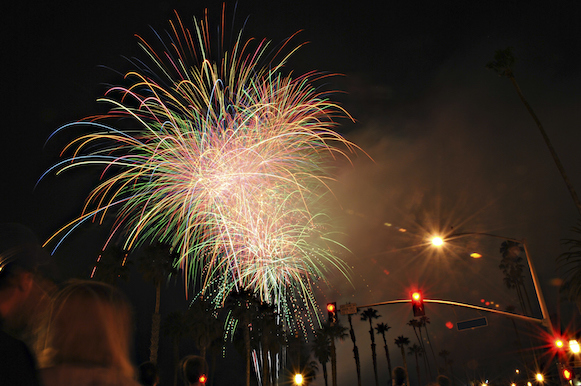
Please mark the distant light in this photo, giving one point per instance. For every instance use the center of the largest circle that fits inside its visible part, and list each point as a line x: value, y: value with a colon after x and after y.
x: 517, y: 371
x: 437, y: 241
x: 450, y: 325
x: 574, y: 346
x: 330, y: 307
x: 540, y: 377
x: 416, y: 296
x: 529, y: 384
x: 487, y: 303
x: 482, y: 300
x: 475, y: 255
x: 298, y: 379
x: 497, y: 305
x: 402, y: 230
x: 559, y: 343
x: 513, y: 384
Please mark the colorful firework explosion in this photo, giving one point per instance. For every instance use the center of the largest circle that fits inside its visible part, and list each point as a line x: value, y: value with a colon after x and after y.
x: 226, y: 160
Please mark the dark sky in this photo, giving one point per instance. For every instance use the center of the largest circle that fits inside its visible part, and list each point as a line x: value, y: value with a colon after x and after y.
x: 452, y: 145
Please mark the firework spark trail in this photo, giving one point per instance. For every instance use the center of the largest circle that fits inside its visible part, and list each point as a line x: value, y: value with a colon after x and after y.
x: 227, y: 161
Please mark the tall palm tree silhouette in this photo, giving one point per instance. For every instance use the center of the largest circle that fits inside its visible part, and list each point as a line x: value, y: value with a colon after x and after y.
x: 368, y: 315
x: 382, y: 328
x: 402, y: 341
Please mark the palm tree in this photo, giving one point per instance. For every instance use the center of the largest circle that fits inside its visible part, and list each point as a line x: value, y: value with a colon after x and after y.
x: 321, y: 348
x: 571, y: 261
x: 425, y: 321
x: 111, y: 265
x: 244, y: 307
x: 382, y: 328
x: 444, y: 354
x: 156, y: 266
x: 502, y: 65
x: 205, y: 328
x: 175, y: 327
x: 368, y: 315
x: 356, y: 351
x: 417, y: 351
x: 335, y: 332
x: 513, y: 269
x: 417, y: 326
x: 401, y: 341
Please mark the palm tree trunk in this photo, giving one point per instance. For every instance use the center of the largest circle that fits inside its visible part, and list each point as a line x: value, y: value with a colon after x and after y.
x: 373, y: 353
x: 176, y: 358
x: 333, y: 362
x: 549, y: 145
x: 247, y: 347
x: 405, y: 365
x: 155, y: 322
x: 388, y: 360
x: 426, y: 361
x: 325, y: 373
x: 431, y: 347
x: 356, y: 351
x: 418, y: 370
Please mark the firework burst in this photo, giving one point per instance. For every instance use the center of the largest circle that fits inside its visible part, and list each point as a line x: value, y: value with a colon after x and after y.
x: 227, y: 160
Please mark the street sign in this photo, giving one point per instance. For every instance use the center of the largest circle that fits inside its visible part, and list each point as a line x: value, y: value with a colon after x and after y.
x: 348, y: 309
x: 472, y: 323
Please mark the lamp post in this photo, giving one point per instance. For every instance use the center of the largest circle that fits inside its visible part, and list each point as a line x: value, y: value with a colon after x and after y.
x: 546, y: 320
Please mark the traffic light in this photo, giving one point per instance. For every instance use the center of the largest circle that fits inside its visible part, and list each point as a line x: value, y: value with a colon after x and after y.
x: 203, y: 379
x: 332, y: 312
x: 418, y: 304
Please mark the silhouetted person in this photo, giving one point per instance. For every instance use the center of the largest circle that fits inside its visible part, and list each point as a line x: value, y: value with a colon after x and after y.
x: 148, y: 374
x: 443, y: 380
x: 194, y: 370
x: 21, y: 299
x: 398, y: 376
x: 87, y: 337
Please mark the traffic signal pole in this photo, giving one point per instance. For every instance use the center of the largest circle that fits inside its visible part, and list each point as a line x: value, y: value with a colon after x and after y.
x: 459, y: 304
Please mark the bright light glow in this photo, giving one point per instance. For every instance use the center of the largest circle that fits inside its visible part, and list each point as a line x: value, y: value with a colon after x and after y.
x: 203, y: 379
x: 298, y: 379
x: 475, y: 255
x: 330, y: 307
x: 574, y: 346
x: 559, y: 343
x: 540, y: 377
x: 517, y: 371
x: 529, y: 384
x: 416, y: 296
x: 567, y: 374
x: 513, y: 384
x: 437, y: 241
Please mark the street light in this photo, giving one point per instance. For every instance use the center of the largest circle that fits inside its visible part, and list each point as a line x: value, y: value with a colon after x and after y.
x: 298, y: 379
x: 574, y: 346
x: 546, y: 321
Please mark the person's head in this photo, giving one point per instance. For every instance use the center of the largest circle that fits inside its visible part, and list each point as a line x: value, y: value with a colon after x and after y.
x: 194, y: 370
x: 443, y: 380
x: 148, y: 374
x: 398, y: 376
x: 20, y: 258
x: 89, y: 324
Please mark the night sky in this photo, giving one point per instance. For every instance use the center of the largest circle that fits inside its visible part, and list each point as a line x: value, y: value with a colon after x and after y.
x: 452, y: 147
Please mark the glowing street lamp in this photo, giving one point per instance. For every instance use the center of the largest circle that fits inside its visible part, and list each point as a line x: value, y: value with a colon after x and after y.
x: 437, y: 241
x: 574, y: 346
x: 539, y: 377
x: 298, y: 379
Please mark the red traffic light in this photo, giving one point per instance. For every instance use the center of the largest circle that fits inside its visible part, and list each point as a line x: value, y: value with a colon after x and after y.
x: 203, y: 379
x: 332, y: 313
x: 418, y: 304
